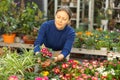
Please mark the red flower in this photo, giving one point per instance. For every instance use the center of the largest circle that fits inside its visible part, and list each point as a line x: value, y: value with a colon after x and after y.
x: 49, y: 54
x: 96, y: 74
x: 79, y: 78
x: 44, y: 50
x: 64, y: 65
x: 84, y: 76
x: 118, y: 62
x: 82, y: 70
x: 90, y: 67
x: 103, y: 77
x: 74, y: 65
x: 94, y: 78
x: 67, y: 76
x: 71, y: 61
x: 56, y: 70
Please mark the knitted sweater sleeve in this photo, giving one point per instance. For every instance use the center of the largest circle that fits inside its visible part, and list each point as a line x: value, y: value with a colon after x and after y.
x: 39, y: 41
x: 68, y: 44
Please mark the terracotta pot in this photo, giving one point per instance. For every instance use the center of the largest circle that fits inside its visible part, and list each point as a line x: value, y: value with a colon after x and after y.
x: 28, y: 40
x: 9, y: 38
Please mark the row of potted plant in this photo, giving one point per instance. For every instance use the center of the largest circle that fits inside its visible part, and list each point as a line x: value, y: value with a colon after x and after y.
x: 19, y: 17
x: 26, y: 67
x: 97, y: 39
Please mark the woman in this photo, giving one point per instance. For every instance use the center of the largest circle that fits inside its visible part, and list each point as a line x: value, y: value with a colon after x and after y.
x: 57, y: 35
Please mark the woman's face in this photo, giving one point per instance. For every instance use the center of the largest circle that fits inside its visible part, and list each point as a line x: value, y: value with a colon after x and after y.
x: 61, y: 20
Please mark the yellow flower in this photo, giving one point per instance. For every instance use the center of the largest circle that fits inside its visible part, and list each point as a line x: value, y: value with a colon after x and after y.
x: 99, y: 41
x: 106, y: 36
x: 88, y: 33
x: 45, y: 73
x: 99, y: 29
x: 79, y: 33
x: 96, y: 36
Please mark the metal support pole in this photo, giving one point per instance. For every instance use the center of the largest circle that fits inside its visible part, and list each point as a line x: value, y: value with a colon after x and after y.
x: 56, y: 5
x: 78, y: 13
x: 45, y: 2
x: 91, y: 15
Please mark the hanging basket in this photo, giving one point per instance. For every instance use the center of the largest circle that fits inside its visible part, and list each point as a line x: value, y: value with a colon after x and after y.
x: 8, y: 38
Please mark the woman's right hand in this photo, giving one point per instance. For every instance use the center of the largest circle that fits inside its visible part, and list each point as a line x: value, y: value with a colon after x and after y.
x: 46, y: 63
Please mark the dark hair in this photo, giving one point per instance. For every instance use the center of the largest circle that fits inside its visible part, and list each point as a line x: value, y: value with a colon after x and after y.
x: 67, y: 10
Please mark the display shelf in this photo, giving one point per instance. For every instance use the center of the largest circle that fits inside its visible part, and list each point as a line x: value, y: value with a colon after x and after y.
x: 118, y: 21
x: 117, y: 14
x: 116, y: 7
x: 116, y: 10
x: 83, y: 9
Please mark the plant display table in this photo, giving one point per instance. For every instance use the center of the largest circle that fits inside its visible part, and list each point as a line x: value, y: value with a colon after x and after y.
x: 74, y: 50
x: 92, y: 52
x: 87, y: 51
x: 17, y: 45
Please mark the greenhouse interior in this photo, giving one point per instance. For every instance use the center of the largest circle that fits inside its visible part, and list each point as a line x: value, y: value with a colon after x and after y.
x: 59, y: 39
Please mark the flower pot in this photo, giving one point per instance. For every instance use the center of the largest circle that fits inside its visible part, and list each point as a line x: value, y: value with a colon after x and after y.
x: 65, y: 2
x: 104, y: 24
x: 103, y: 49
x: 28, y: 39
x: 8, y: 38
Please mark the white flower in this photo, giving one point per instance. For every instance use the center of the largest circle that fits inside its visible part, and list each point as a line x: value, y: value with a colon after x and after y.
x: 110, y: 58
x: 112, y: 72
x: 53, y: 79
x: 100, y: 70
x: 105, y: 73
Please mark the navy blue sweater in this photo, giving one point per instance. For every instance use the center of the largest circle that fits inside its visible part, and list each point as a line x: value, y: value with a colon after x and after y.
x: 55, y: 39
